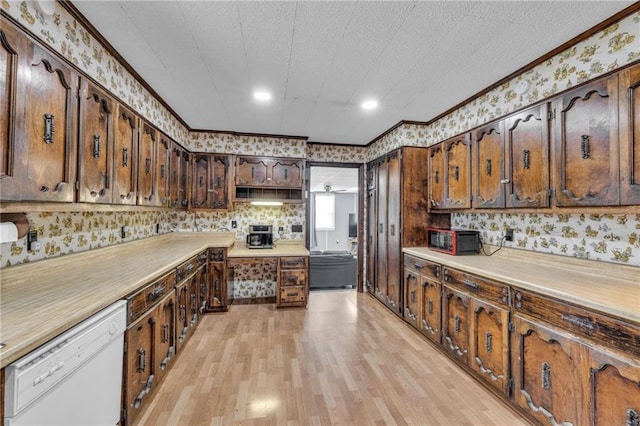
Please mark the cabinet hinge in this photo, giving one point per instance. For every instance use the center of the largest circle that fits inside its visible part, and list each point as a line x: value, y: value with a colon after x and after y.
x: 510, y: 386
x: 550, y: 192
x: 511, y: 326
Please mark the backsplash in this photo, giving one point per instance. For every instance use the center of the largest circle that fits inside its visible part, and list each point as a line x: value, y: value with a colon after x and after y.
x: 605, y: 237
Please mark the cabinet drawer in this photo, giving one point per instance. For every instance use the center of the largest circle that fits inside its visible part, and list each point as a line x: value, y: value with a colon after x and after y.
x: 604, y: 330
x: 479, y: 287
x: 293, y: 277
x: 217, y: 254
x: 293, y: 262
x: 149, y: 295
x: 293, y: 294
x: 428, y: 270
x: 190, y: 266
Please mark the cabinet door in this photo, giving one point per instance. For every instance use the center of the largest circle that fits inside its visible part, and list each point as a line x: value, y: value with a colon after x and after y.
x: 146, y: 165
x: 394, y: 248
x: 586, y: 145
x: 545, y: 369
x: 139, y: 364
x: 527, y: 158
x: 615, y: 390
x: 163, y: 171
x: 220, y: 182
x: 431, y: 310
x: 194, y: 290
x: 436, y: 177
x: 488, y: 166
x: 372, y: 239
x: 381, y: 248
x: 165, y: 340
x: 490, y: 344
x: 412, y: 298
x: 286, y: 173
x: 95, y: 167
x: 12, y: 53
x: 217, y: 280
x: 251, y: 171
x: 200, y: 190
x: 43, y: 148
x: 457, y: 189
x: 182, y: 314
x: 455, y: 323
x: 125, y: 154
x: 185, y: 173
x: 630, y: 135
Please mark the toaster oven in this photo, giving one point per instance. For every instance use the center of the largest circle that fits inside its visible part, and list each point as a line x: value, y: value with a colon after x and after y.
x: 453, y: 241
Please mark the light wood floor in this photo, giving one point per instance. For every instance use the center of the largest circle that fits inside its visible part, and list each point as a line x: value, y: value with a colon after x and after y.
x: 344, y: 360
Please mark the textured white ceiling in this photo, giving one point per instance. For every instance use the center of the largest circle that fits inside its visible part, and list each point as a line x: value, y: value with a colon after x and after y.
x: 339, y: 179
x: 321, y: 59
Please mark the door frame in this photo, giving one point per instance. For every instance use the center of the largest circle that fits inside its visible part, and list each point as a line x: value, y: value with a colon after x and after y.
x: 361, y: 224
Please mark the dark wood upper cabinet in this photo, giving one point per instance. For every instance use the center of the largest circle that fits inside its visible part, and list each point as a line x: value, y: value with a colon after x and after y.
x: 630, y: 136
x: 40, y: 152
x: 185, y: 175
x: 163, y: 159
x: 436, y: 176
x: 586, y: 145
x: 527, y: 158
x: 457, y: 185
x: 210, y: 181
x: 95, y: 166
x: 286, y: 173
x: 269, y: 172
x: 146, y: 165
x: 251, y: 171
x: 487, y: 169
x: 125, y: 152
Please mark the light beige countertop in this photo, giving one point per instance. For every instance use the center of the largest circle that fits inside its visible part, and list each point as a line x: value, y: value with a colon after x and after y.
x: 281, y: 248
x: 42, y: 299
x: 606, y: 287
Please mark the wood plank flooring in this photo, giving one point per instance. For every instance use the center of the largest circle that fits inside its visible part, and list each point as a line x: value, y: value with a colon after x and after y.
x: 345, y: 360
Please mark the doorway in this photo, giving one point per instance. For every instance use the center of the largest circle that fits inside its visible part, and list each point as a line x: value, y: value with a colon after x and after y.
x: 335, y: 215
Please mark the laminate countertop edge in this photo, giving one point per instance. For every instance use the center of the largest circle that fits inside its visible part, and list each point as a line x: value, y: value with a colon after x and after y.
x: 604, y: 287
x: 42, y: 299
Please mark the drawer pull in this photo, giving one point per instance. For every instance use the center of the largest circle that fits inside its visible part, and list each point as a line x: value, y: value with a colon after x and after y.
x: 412, y: 296
x: 633, y: 419
x: 165, y: 333
x: 162, y: 172
x: 430, y: 307
x: 470, y: 283
x: 437, y: 177
x: 155, y: 293
x: 292, y: 294
x: 125, y: 157
x: 526, y: 155
x: 166, y: 360
x: 147, y: 165
x: 546, y: 375
x: 579, y: 321
x: 144, y: 392
x: 96, y: 146
x: 183, y: 313
x: 292, y: 279
x: 193, y: 302
x: 586, y: 149
x: 49, y: 128
x: 488, y: 167
x: 456, y: 323
x: 418, y: 266
x: 142, y: 360
x: 456, y: 173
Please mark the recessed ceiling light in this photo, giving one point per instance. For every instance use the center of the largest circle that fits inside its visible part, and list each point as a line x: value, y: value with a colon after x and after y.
x: 261, y: 95
x: 371, y: 104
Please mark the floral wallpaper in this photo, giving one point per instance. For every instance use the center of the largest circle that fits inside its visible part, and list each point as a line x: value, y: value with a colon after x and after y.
x: 604, y: 237
x: 252, y: 281
x: 70, y: 232
x: 231, y: 143
x: 336, y: 153
x: 244, y: 214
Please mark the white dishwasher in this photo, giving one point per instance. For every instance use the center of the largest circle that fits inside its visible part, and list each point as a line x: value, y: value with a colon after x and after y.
x: 75, y: 379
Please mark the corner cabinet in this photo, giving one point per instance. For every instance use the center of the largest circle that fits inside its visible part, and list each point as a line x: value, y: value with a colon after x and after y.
x: 397, y: 217
x: 38, y: 140
x: 268, y: 178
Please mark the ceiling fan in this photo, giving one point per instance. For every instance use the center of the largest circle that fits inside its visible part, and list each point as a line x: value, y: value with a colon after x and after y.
x: 329, y: 190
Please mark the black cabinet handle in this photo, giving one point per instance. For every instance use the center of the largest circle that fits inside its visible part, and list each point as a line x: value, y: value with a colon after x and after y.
x: 546, y: 375
x: 456, y: 173
x: 147, y: 165
x: 586, y: 149
x: 125, y: 157
x: 526, y: 159
x: 49, y: 128
x: 487, y: 166
x: 96, y: 146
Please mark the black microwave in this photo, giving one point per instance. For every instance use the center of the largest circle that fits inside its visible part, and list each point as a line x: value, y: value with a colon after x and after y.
x: 453, y: 241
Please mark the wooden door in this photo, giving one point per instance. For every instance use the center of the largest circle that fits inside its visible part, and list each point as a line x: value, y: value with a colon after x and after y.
x: 394, y: 242
x: 614, y: 389
x: 163, y: 166
x: 42, y: 151
x: 165, y: 341
x: 124, y: 155
x: 455, y: 323
x: 217, y: 280
x: 146, y: 164
x: 431, y: 310
x: 252, y: 171
x: 527, y: 158
x: 182, y: 314
x: 193, y: 306
x: 220, y: 182
x: 436, y: 176
x: 381, y: 229
x: 488, y: 166
x: 545, y: 366
x: 372, y: 238
x: 200, y: 190
x: 586, y: 145
x: 139, y: 364
x: 457, y: 189
x: 490, y: 344
x: 95, y: 145
x: 286, y: 173
x: 412, y: 298
x: 185, y: 174
x: 630, y: 136
x: 12, y: 59
x: 174, y: 175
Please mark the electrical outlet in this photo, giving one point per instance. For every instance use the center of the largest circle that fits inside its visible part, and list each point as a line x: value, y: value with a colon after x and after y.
x: 280, y: 229
x: 32, y: 237
x: 508, y: 235
x: 234, y: 224
x: 123, y: 232
x: 157, y: 228
x: 296, y: 228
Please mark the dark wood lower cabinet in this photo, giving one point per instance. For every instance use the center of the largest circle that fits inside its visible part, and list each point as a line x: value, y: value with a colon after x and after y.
x: 166, y: 335
x: 217, y: 278
x: 455, y: 323
x: 490, y: 344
